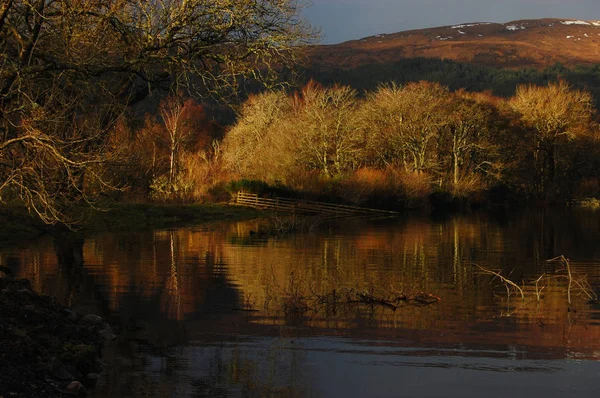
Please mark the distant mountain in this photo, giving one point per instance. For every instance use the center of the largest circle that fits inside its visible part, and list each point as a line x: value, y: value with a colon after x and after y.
x: 476, y: 56
x: 526, y: 43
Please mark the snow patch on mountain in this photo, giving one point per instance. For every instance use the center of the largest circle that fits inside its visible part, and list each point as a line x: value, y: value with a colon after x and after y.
x: 468, y: 25
x: 578, y: 22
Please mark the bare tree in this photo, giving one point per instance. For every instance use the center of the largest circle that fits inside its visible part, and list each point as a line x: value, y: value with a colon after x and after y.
x: 382, y: 114
x: 69, y: 68
x: 328, y: 128
x: 467, y: 136
x: 407, y: 120
x: 553, y: 114
x: 171, y: 111
x: 261, y: 144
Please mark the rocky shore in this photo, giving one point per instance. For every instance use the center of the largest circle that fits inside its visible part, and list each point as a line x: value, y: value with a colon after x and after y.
x: 46, y: 350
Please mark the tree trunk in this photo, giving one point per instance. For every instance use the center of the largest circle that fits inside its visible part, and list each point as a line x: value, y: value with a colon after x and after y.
x: 551, y: 167
x: 455, y: 170
x: 171, y: 166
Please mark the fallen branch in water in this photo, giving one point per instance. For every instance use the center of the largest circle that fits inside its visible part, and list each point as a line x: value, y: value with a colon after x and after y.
x: 418, y: 299
x: 298, y: 298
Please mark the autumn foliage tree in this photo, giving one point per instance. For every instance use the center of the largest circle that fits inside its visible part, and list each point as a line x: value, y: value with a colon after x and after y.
x: 404, y: 123
x: 167, y: 156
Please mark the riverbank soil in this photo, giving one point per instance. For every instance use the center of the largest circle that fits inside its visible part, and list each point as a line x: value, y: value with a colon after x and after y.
x: 46, y: 350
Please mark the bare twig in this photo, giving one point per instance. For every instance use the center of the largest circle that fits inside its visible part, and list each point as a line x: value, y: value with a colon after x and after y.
x: 575, y: 282
x: 573, y: 279
x: 507, y: 282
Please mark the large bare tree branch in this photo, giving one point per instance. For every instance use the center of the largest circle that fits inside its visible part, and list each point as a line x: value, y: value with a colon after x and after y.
x: 69, y: 69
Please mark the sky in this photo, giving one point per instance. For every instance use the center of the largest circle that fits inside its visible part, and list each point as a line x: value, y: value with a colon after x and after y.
x: 342, y: 20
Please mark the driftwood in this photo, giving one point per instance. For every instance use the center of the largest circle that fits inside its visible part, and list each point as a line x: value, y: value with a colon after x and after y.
x: 299, y: 297
x: 418, y: 299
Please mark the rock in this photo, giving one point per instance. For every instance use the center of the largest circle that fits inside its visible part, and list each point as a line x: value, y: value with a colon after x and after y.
x: 107, y: 334
x: 92, y: 319
x: 59, y: 371
x: 44, y: 346
x: 73, y: 315
x: 77, y: 389
x: 62, y: 373
x: 91, y: 379
x: 73, y: 370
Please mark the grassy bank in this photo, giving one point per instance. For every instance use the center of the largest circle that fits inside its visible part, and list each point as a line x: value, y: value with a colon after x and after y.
x: 124, y: 217
x: 19, y: 225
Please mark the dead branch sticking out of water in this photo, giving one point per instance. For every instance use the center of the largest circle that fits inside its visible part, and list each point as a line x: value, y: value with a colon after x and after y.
x: 508, y: 284
x: 576, y: 283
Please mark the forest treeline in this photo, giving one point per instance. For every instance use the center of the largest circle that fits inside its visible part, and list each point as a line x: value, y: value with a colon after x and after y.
x: 396, y: 146
x: 502, y: 82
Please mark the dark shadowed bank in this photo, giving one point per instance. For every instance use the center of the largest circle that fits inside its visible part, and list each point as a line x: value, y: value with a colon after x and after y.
x: 46, y: 350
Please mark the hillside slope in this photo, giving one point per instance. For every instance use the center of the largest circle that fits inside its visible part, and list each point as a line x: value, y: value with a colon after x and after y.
x: 516, y: 44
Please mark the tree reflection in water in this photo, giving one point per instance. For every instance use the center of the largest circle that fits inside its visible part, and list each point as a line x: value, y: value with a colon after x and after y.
x: 183, y: 300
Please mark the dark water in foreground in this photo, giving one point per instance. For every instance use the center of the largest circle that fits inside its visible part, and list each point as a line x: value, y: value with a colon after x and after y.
x: 223, y: 310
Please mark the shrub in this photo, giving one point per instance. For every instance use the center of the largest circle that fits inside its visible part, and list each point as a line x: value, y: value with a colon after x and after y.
x: 416, y: 187
x: 371, y: 187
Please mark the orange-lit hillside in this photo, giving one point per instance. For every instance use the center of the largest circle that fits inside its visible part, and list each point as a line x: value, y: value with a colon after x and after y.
x: 535, y: 43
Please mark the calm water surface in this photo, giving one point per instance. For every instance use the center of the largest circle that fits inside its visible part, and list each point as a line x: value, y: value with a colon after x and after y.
x: 226, y: 310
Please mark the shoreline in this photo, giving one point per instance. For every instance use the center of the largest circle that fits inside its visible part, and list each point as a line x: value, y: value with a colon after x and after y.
x: 19, y: 225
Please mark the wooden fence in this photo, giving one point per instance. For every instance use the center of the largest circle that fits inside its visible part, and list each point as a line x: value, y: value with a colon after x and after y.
x: 303, y: 206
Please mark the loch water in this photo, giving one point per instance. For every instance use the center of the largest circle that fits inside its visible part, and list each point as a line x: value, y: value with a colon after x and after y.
x: 300, y: 307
